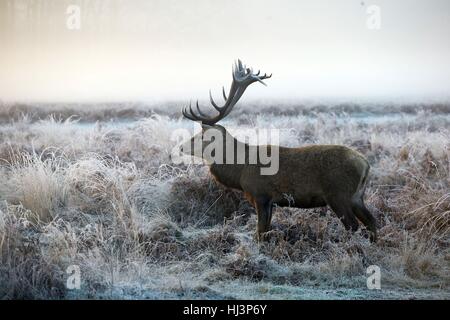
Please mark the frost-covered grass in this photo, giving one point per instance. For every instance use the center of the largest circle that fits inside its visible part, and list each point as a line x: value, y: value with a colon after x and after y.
x: 109, y: 199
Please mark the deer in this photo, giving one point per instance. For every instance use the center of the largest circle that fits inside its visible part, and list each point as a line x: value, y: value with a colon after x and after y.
x: 313, y: 175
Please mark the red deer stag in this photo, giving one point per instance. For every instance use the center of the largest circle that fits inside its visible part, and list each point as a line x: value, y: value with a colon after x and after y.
x: 313, y: 176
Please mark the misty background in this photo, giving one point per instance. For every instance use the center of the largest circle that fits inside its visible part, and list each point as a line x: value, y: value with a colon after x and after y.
x: 140, y: 50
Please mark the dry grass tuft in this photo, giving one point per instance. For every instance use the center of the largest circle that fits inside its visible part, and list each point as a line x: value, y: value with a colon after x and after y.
x: 37, y: 184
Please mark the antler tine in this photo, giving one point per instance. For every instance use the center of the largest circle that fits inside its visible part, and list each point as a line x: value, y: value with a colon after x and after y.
x: 235, y: 69
x: 192, y: 113
x: 213, y: 102
x: 240, y: 64
x: 240, y: 68
x: 223, y: 93
x: 200, y: 111
x: 197, y: 117
x: 188, y: 115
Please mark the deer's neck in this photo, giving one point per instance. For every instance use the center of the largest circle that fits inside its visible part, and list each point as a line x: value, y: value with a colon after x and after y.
x: 229, y: 174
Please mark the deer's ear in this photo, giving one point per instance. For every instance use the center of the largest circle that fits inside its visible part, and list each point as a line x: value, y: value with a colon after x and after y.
x: 206, y: 127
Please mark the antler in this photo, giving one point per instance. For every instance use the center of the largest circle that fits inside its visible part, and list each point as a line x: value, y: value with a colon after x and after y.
x: 242, y: 78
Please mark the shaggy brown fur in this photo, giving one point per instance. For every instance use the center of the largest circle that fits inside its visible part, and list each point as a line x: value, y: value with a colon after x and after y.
x: 308, y: 177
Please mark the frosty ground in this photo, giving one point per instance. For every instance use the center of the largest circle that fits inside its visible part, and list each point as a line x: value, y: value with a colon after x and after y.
x: 96, y: 188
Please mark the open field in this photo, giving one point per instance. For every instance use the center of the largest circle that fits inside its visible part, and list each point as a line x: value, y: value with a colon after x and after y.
x: 80, y: 189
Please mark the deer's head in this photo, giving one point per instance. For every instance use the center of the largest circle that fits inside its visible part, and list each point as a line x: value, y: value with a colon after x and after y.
x: 242, y: 78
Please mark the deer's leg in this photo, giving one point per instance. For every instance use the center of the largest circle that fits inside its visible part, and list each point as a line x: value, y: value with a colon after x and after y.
x: 343, y: 209
x: 363, y: 214
x: 264, y: 211
x: 250, y: 198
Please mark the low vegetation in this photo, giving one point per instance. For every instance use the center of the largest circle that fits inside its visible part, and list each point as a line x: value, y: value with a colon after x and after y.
x: 107, y: 198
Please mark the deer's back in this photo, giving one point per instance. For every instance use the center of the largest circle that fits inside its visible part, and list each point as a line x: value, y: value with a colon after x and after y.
x: 308, y: 174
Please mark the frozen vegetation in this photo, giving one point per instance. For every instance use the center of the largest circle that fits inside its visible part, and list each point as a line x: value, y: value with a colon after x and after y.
x: 96, y: 188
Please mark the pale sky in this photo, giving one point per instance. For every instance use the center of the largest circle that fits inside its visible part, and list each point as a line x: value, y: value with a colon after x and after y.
x: 144, y: 50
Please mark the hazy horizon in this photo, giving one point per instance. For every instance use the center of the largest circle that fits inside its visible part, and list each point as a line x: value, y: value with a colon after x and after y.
x: 172, y: 50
